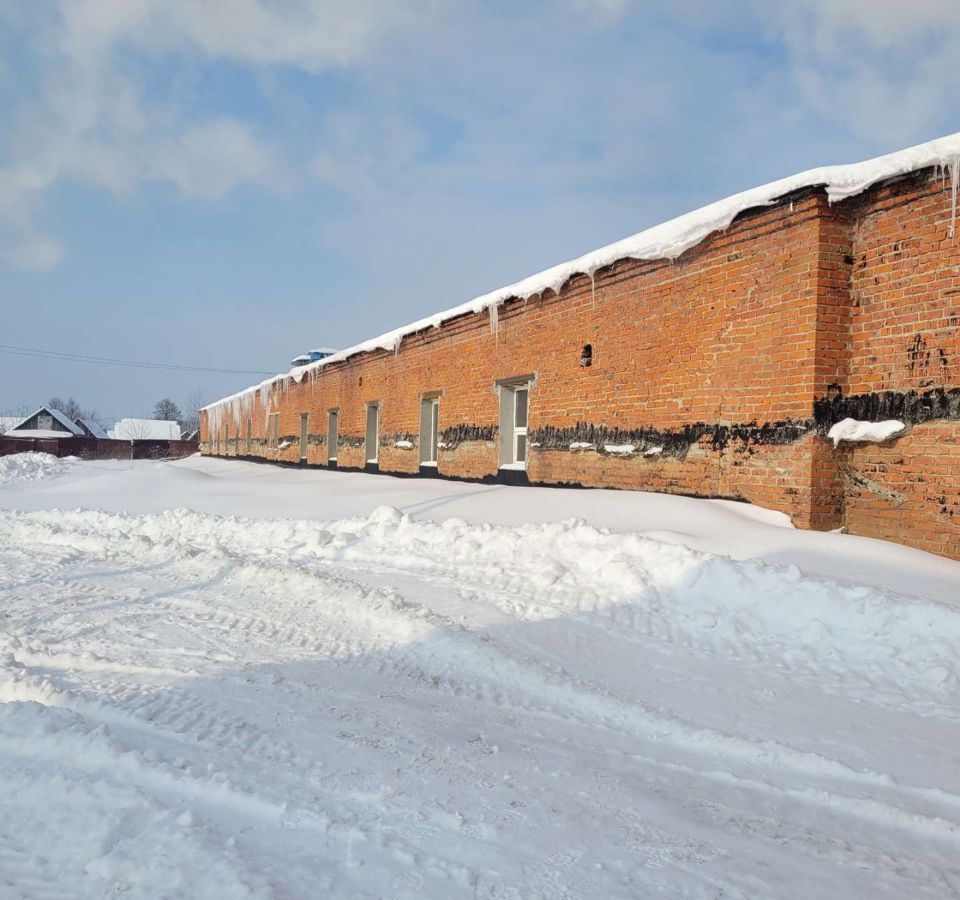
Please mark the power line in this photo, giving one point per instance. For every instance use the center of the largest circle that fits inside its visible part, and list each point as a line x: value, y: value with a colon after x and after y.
x: 107, y: 361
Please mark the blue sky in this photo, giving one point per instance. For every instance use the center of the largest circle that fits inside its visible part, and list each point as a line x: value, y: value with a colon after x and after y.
x: 229, y: 183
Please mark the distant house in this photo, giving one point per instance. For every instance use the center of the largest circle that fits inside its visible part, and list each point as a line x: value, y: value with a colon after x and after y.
x: 145, y: 430
x: 90, y: 428
x: 45, y: 423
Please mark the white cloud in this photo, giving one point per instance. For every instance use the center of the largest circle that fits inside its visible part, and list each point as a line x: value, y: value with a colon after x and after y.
x: 883, y: 68
x: 33, y: 252
x: 211, y: 159
x: 304, y: 33
x: 91, y: 120
x: 882, y: 24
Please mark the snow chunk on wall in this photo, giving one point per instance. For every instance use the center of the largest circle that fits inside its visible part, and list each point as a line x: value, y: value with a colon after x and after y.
x: 620, y: 449
x: 403, y: 445
x: 873, y: 432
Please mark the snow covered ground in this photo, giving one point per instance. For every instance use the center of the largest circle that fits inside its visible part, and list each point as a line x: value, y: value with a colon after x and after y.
x: 219, y: 679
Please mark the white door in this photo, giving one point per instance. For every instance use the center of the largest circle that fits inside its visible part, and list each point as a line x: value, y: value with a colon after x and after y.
x: 514, y: 405
x: 520, y: 402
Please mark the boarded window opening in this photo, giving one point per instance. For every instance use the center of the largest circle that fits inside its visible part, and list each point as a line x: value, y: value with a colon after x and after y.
x: 429, y: 430
x: 373, y: 432
x: 333, y: 435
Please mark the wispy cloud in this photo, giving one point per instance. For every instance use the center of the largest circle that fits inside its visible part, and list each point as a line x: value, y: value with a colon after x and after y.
x: 448, y: 97
x: 88, y: 115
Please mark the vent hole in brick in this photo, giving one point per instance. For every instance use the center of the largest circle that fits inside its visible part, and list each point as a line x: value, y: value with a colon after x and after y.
x: 586, y: 355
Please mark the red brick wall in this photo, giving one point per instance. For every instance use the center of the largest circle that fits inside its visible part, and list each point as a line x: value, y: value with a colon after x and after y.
x: 905, y: 336
x: 792, y: 303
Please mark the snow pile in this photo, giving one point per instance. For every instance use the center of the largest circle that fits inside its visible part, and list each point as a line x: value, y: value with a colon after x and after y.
x: 21, y: 467
x: 668, y: 240
x: 381, y: 706
x: 737, y: 608
x: 856, y: 430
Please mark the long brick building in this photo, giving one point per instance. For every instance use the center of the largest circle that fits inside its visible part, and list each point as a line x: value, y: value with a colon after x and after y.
x: 707, y: 356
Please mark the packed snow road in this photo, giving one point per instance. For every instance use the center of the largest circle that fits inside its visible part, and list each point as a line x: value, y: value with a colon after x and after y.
x: 474, y: 697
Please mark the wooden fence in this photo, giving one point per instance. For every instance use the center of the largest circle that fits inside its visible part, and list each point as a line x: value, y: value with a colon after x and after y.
x: 96, y: 448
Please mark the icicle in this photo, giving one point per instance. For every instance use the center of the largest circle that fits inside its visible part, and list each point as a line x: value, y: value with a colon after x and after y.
x: 494, y: 318
x: 954, y: 176
x: 593, y: 288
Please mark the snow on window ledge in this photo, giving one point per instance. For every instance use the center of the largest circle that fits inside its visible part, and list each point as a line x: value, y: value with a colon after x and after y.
x: 856, y: 431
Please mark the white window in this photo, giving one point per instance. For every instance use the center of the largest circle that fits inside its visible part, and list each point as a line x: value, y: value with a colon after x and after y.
x: 429, y: 430
x: 333, y: 435
x: 514, y: 407
x: 373, y: 432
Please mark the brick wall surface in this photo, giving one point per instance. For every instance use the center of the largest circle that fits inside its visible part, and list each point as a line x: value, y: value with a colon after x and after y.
x: 905, y: 342
x: 726, y: 359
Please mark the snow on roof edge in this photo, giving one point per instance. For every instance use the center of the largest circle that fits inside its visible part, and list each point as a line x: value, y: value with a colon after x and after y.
x: 668, y: 240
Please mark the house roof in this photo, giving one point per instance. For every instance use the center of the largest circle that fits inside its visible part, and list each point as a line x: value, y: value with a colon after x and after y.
x: 88, y: 425
x: 146, y: 430
x: 56, y: 414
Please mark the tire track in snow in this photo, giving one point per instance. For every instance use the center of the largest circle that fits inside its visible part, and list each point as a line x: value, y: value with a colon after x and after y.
x: 484, y: 668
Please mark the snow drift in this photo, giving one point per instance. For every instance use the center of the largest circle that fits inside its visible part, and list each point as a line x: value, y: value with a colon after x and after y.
x: 33, y: 467
x: 375, y: 705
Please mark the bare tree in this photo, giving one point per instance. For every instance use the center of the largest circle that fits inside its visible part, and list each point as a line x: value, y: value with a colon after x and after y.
x: 69, y: 407
x: 191, y: 410
x: 167, y: 410
x: 136, y: 429
x: 73, y: 410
